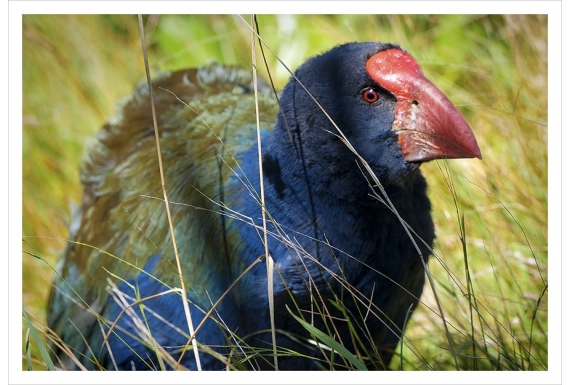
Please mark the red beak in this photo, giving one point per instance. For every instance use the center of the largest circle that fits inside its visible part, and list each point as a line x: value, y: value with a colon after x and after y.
x: 427, y: 123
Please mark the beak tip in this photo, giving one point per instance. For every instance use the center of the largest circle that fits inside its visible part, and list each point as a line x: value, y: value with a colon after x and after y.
x: 476, y: 153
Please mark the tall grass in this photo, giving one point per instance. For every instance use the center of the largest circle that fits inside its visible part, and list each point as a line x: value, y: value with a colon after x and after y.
x: 490, y: 267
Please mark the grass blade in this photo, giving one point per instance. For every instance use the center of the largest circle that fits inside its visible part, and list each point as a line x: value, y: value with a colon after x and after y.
x: 39, y: 343
x: 332, y: 344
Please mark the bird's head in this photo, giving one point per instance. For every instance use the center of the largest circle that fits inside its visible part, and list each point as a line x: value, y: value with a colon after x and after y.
x: 378, y: 97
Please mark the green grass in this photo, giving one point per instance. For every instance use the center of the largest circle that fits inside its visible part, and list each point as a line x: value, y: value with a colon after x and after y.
x: 491, y: 269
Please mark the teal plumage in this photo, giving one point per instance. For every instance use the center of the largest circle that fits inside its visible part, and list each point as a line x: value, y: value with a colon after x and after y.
x: 123, y: 191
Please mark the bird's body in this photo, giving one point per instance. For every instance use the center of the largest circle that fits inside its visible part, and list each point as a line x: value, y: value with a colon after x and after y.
x: 332, y: 240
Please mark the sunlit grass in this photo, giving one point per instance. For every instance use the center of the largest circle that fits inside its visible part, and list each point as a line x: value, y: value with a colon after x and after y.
x: 490, y: 215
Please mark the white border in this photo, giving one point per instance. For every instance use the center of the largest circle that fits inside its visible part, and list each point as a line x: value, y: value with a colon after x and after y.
x: 14, y: 140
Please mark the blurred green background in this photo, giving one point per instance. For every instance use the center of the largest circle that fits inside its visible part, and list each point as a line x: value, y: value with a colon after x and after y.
x: 494, y: 68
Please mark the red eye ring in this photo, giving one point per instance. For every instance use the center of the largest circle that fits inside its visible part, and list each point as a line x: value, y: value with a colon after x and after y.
x: 370, y: 95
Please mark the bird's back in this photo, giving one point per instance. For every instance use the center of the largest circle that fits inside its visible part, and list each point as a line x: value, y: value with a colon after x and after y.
x: 205, y: 121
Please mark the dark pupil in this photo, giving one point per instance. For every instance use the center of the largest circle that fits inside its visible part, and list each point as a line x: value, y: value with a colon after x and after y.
x: 370, y: 95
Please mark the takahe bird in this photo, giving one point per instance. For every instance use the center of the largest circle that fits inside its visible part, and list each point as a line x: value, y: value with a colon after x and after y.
x: 344, y: 260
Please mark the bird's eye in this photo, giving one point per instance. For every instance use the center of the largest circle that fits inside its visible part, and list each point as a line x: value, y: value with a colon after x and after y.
x: 370, y: 95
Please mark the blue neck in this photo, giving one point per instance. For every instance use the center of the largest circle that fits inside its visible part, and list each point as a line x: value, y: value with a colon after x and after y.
x: 330, y: 216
